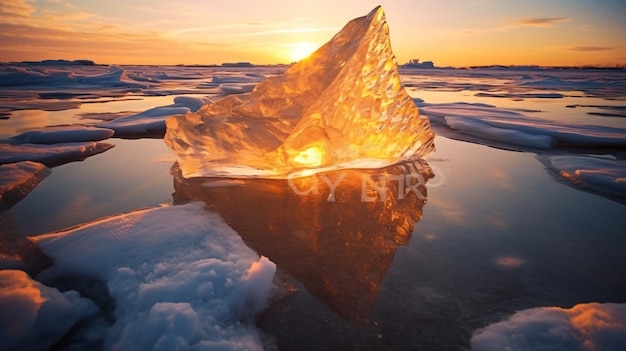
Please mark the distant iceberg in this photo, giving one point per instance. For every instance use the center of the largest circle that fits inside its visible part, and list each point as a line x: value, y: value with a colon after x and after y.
x: 415, y: 63
x: 343, y: 106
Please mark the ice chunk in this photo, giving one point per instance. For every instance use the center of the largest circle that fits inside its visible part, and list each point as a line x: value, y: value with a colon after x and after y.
x: 341, y: 105
x: 248, y: 78
x: 180, y: 277
x: 605, y: 176
x: 152, y: 121
x: 192, y: 103
x: 64, y: 134
x: 236, y: 88
x: 35, y: 316
x: 18, y: 179
x: 50, y: 155
x: 513, y: 128
x: 590, y: 326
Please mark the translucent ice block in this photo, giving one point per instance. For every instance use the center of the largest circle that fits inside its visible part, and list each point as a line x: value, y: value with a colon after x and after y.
x: 341, y: 107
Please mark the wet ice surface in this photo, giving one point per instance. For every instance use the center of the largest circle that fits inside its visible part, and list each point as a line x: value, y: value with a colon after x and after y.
x: 496, y: 234
x: 18, y: 179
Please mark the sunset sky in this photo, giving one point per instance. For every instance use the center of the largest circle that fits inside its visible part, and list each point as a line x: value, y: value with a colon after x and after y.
x: 448, y: 32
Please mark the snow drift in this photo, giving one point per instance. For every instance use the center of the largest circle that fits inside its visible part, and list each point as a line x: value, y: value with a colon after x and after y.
x: 180, y: 277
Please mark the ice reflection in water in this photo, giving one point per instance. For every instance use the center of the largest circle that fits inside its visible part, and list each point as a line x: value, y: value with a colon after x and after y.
x: 336, y: 232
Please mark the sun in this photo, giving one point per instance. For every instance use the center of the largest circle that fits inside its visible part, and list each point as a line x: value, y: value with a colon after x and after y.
x: 298, y: 51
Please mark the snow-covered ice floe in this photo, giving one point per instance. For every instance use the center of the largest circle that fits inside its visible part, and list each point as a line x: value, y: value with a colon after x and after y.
x: 603, y: 175
x: 63, y: 134
x: 50, y: 155
x: 510, y: 128
x: 584, y: 327
x: 55, y: 145
x: 520, y: 83
x: 152, y: 121
x: 35, y: 316
x: 181, y: 278
x: 341, y: 106
x: 18, y: 179
x: 59, y: 77
x: 486, y: 124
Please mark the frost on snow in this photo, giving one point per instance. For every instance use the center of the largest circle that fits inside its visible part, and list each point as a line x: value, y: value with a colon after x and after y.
x: 35, y: 316
x: 341, y: 105
x: 180, y: 277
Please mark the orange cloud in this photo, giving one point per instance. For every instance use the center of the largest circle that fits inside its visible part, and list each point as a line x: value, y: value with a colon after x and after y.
x: 16, y: 8
x: 541, y: 21
x: 591, y: 48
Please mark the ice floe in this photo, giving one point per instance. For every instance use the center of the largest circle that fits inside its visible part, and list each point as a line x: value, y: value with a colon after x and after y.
x: 236, y: 88
x: 606, y: 176
x: 510, y: 128
x: 18, y: 179
x: 589, y: 326
x: 181, y: 278
x: 522, y: 95
x: 58, y: 77
x: 35, y: 316
x: 63, y: 134
x: 50, y: 155
x: 515, y: 83
x: 152, y: 121
x: 603, y: 110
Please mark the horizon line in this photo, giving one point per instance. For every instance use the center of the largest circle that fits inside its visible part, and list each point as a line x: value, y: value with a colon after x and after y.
x: 244, y: 64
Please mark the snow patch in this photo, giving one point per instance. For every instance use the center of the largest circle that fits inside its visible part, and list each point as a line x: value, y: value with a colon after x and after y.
x: 513, y: 128
x: 606, y: 176
x: 35, y: 316
x: 50, y: 155
x: 181, y: 277
x: 153, y: 120
x: 591, y: 326
x: 64, y: 134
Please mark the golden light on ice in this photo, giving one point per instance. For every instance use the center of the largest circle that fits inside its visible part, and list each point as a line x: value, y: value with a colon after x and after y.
x: 311, y: 157
x: 342, y: 106
x: 298, y: 51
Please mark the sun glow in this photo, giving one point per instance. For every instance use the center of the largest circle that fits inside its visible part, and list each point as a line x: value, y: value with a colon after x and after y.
x: 311, y: 157
x: 298, y: 51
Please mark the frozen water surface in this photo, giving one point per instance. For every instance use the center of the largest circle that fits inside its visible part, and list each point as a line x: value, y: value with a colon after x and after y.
x: 498, y: 233
x: 486, y: 239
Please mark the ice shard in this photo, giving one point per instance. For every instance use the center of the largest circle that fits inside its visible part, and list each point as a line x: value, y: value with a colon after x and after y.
x: 341, y: 107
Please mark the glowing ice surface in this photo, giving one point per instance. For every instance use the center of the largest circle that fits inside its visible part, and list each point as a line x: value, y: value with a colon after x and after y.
x: 341, y: 107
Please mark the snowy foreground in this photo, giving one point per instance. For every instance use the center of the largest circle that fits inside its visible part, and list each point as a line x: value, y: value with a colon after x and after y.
x: 179, y: 277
